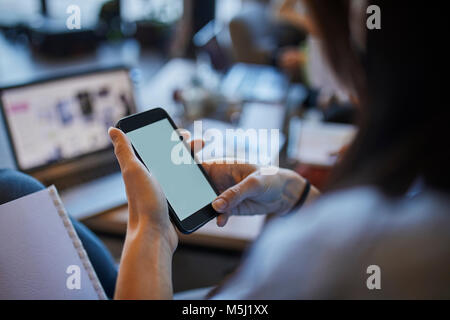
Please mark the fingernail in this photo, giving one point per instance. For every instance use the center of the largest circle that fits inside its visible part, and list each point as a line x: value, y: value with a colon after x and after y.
x: 112, y: 134
x: 219, y: 204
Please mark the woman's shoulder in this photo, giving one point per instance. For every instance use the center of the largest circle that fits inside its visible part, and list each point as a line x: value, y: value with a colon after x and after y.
x: 366, y: 214
x: 341, y: 236
x: 327, y: 249
x: 369, y: 202
x: 406, y: 238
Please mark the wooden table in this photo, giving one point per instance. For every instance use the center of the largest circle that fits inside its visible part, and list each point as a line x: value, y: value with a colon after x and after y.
x: 236, y: 235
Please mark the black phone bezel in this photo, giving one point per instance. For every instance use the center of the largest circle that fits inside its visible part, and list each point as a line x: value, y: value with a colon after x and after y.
x: 202, y: 216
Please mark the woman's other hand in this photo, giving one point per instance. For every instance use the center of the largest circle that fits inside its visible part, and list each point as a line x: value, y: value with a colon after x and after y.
x: 246, y: 191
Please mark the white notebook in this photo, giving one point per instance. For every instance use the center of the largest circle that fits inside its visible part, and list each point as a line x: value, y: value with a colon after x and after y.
x: 316, y: 143
x: 41, y: 256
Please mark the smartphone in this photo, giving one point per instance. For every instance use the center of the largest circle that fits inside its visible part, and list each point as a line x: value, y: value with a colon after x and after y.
x: 187, y: 187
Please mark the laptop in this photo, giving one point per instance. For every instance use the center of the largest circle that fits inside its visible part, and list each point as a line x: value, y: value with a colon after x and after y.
x: 255, y: 83
x: 244, y: 81
x: 57, y: 129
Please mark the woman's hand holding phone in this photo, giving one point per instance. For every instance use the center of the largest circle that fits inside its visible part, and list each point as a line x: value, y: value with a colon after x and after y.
x: 151, y: 238
x: 147, y: 205
x: 244, y: 189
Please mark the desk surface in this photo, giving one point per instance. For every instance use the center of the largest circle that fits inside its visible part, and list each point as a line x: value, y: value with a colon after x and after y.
x: 237, y: 234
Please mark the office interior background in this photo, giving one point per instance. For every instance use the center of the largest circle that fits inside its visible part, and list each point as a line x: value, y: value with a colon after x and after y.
x: 231, y: 63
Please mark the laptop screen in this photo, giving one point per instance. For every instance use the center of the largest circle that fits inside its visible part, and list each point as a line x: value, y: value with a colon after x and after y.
x: 62, y: 119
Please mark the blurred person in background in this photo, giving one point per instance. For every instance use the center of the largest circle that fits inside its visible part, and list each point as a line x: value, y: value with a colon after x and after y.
x: 292, y: 58
x: 387, y: 204
x: 283, y: 33
x: 268, y: 32
x: 196, y: 14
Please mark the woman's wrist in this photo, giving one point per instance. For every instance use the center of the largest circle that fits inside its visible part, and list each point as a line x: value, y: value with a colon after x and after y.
x: 145, y: 234
x: 147, y: 255
x: 306, y: 192
x: 145, y: 230
x: 292, y: 184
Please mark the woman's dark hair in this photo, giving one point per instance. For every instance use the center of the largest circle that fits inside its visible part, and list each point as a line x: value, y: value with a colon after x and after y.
x: 401, y: 137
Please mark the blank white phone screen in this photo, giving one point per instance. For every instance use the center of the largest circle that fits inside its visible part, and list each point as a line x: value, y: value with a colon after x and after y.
x: 184, y: 185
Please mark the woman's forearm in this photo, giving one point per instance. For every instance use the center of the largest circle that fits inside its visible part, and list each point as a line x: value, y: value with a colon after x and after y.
x: 146, y: 267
